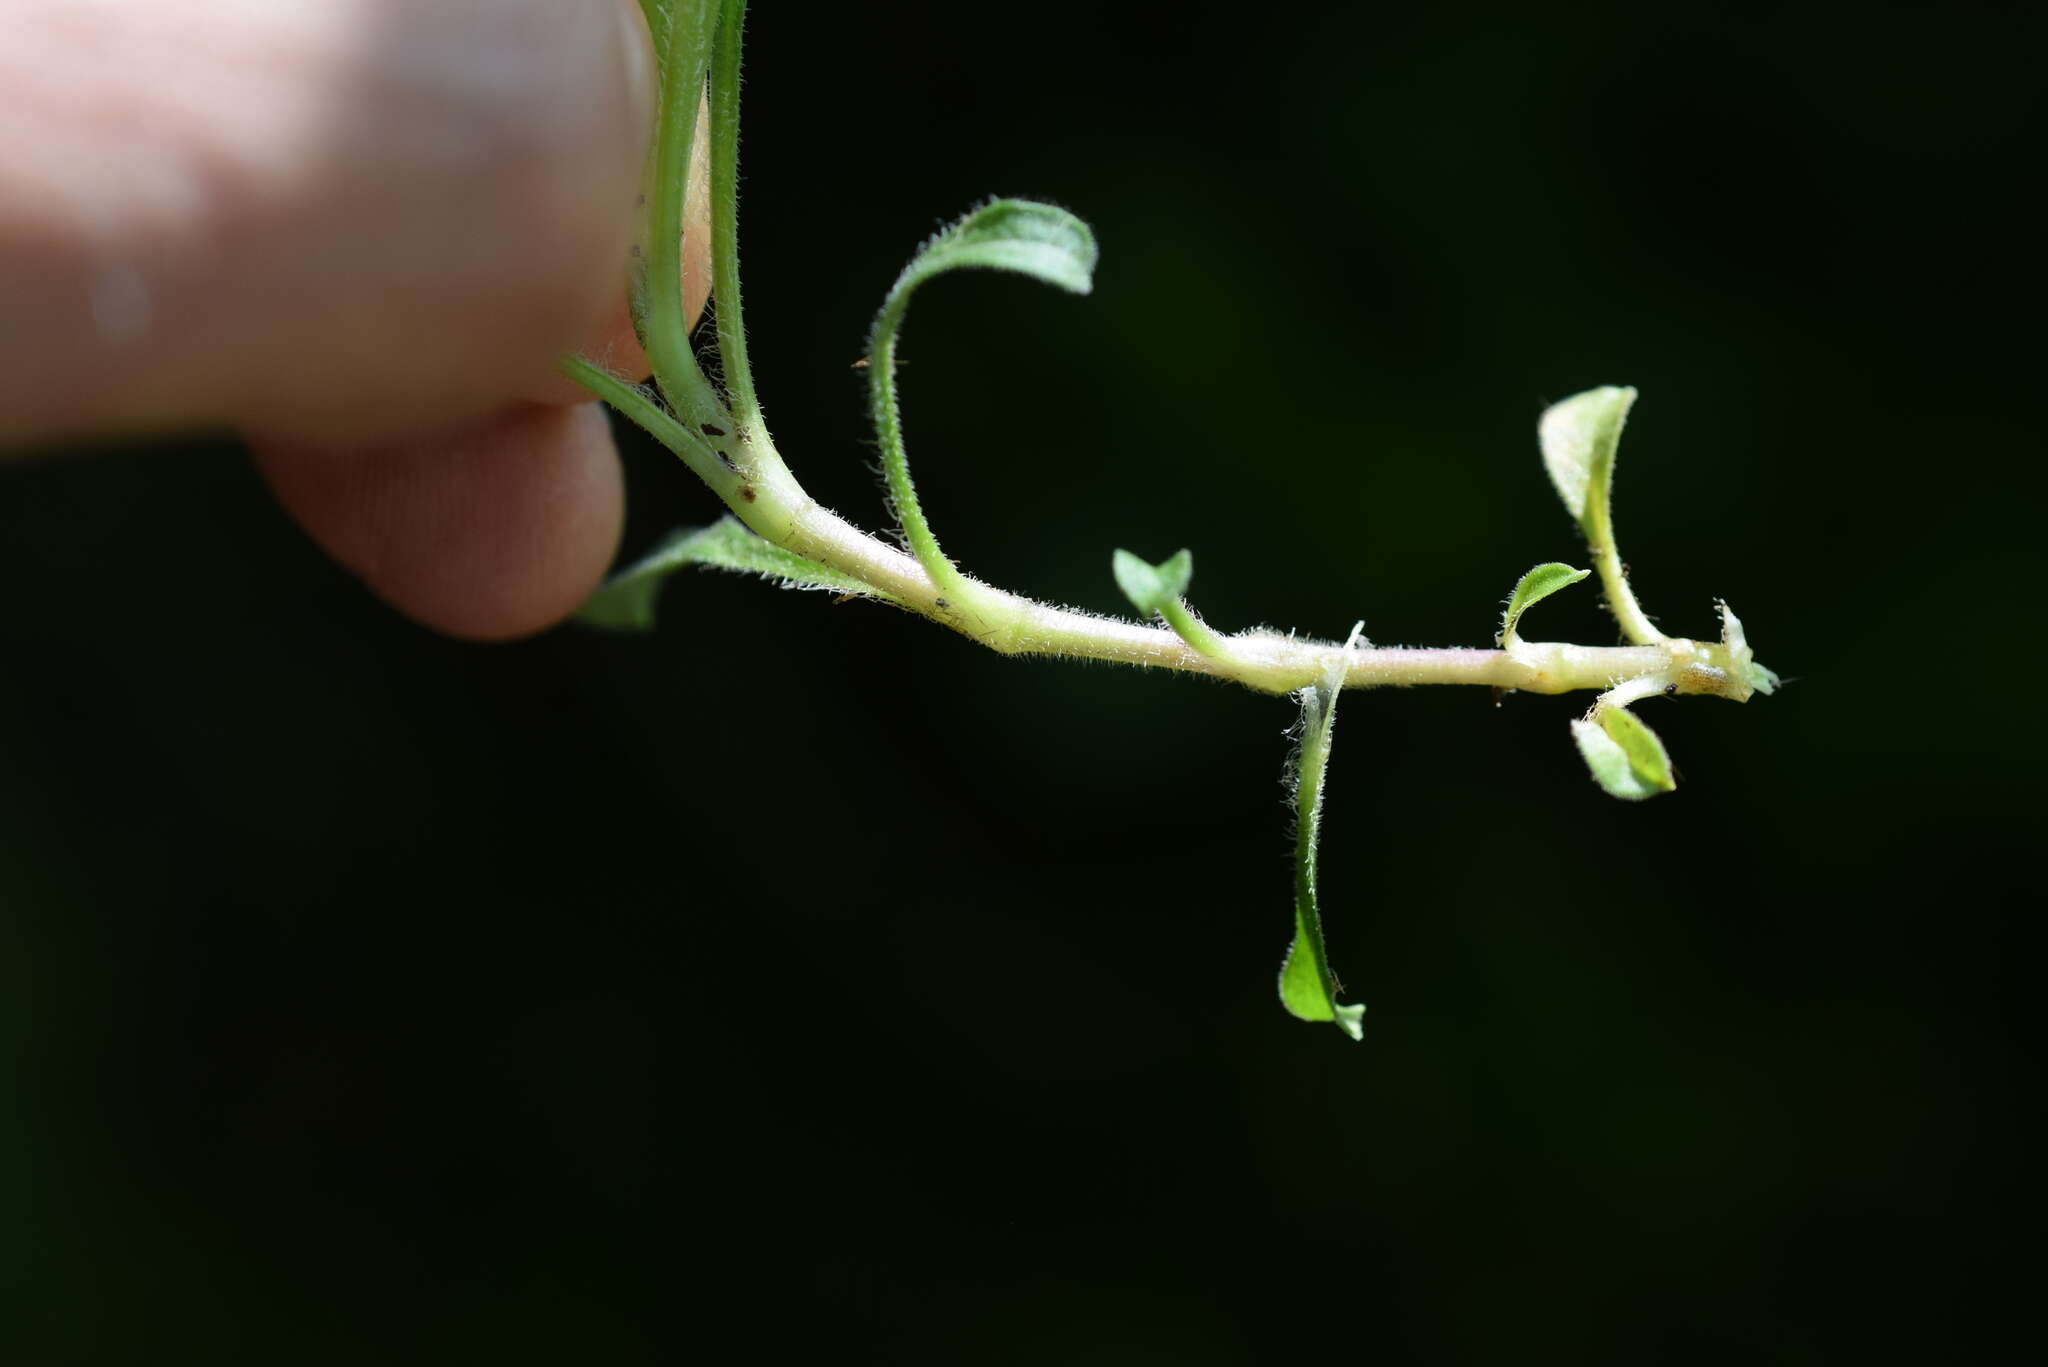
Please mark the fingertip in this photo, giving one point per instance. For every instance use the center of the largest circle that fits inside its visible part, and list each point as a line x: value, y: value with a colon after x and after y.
x: 488, y: 532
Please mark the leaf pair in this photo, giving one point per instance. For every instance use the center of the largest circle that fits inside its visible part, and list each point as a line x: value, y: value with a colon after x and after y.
x: 1152, y: 587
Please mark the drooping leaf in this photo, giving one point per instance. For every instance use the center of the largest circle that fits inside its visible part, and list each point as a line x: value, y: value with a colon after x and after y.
x: 1308, y: 986
x: 1535, y: 586
x: 1579, y: 436
x: 1151, y: 587
x: 625, y: 602
x: 1625, y: 755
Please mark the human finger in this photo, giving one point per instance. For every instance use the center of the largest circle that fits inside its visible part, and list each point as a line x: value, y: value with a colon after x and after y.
x: 336, y: 219
x: 491, y: 530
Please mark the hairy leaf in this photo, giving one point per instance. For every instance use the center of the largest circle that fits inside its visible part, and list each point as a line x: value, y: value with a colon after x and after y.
x: 1535, y: 586
x: 1151, y: 587
x: 625, y: 602
x: 1624, y: 754
x: 1020, y: 235
x: 1579, y: 437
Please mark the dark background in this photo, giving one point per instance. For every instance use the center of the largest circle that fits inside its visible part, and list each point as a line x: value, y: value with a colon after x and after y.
x: 801, y: 978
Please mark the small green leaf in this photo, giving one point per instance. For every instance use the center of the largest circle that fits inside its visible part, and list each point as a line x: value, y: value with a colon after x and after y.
x: 1579, y: 437
x: 1020, y: 235
x: 1624, y: 754
x: 1535, y: 586
x: 625, y: 602
x: 1151, y: 587
x: 1761, y: 679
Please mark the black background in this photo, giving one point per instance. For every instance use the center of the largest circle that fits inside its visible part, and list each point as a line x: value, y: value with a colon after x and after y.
x: 800, y: 978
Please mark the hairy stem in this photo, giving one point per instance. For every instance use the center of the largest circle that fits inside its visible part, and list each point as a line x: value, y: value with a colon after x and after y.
x: 1267, y: 661
x: 683, y: 42
x: 725, y: 233
x: 1621, y: 597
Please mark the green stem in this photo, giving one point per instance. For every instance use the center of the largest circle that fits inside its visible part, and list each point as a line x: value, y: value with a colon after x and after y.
x: 1319, y: 723
x: 1621, y: 599
x: 888, y: 420
x: 1264, y: 660
x: 1192, y: 630
x: 657, y: 293
x: 725, y: 231
x: 657, y: 422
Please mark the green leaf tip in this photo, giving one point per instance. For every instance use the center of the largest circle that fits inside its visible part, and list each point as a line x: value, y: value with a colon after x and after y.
x: 1152, y: 587
x: 1533, y: 587
x: 1302, y: 993
x: 625, y: 602
x: 1019, y: 235
x: 1625, y: 756
x: 1579, y: 437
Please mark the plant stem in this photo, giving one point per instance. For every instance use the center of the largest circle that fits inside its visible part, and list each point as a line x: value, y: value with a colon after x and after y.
x: 888, y: 420
x: 1266, y: 661
x: 1192, y: 630
x: 725, y: 232
x: 1621, y: 598
x: 657, y: 422
x: 657, y: 290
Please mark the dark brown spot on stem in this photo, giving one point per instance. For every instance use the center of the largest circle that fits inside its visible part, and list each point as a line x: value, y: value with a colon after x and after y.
x: 747, y: 492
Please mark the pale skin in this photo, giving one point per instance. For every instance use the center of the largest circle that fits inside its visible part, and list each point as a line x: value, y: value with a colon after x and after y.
x: 360, y: 233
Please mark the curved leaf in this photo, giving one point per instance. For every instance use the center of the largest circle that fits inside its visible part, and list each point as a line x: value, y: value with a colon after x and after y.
x: 1020, y: 235
x: 1625, y: 755
x: 1533, y: 587
x: 1579, y: 436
